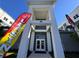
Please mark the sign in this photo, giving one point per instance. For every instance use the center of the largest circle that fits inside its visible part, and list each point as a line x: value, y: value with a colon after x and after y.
x: 13, y: 33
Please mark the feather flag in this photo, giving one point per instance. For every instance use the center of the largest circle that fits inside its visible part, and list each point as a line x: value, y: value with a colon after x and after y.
x: 70, y: 21
x: 12, y: 34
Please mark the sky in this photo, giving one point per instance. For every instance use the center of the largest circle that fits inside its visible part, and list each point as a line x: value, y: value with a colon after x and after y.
x: 63, y: 7
x: 15, y: 7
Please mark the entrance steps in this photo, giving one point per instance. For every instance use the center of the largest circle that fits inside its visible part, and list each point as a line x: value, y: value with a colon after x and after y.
x: 39, y: 55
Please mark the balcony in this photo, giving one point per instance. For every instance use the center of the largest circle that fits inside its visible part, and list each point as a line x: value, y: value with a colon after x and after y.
x: 41, y: 2
x: 40, y: 22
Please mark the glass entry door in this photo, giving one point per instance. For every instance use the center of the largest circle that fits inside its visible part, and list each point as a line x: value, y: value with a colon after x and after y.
x: 40, y: 45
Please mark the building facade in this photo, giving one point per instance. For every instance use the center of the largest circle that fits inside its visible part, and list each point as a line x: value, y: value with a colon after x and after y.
x: 5, y: 22
x: 74, y: 15
x: 69, y: 36
x: 5, y: 19
x: 41, y: 36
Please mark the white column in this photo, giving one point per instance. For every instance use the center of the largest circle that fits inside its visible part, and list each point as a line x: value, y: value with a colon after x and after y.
x: 57, y: 45
x: 56, y: 40
x: 32, y: 41
x: 49, y: 42
x: 23, y: 48
x: 30, y: 11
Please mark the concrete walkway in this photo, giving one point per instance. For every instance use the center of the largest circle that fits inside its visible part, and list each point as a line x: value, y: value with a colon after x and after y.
x: 39, y: 55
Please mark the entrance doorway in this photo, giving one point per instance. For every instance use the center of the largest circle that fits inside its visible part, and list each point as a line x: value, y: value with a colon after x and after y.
x: 40, y: 45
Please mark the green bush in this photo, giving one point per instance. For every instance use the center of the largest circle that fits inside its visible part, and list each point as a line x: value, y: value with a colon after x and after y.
x: 74, y: 36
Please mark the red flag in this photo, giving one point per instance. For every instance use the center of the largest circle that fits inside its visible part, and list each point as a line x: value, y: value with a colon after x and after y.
x: 70, y: 20
x: 22, y: 18
x: 73, y: 24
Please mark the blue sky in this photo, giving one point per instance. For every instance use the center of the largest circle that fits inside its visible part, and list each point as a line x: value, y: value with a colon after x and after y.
x: 64, y: 7
x: 16, y: 7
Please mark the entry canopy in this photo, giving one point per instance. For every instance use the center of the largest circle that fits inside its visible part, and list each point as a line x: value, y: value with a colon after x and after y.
x: 41, y: 2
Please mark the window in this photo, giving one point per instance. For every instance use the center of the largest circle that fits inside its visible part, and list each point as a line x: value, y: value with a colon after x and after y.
x: 38, y: 44
x: 42, y: 44
x: 76, y: 16
x: 40, y: 27
x: 40, y: 19
x: 5, y: 18
x: 10, y: 22
x: 40, y: 35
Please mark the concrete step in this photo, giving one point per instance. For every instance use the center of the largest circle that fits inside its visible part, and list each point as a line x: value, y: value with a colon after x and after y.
x: 39, y: 55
